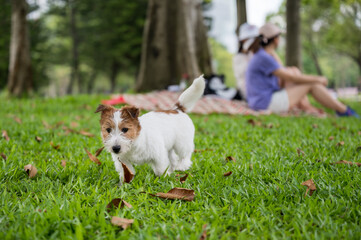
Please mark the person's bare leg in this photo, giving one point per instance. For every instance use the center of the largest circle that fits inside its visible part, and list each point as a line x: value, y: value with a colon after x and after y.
x: 297, y: 92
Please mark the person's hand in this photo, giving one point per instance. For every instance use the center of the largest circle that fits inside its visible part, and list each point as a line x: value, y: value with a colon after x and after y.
x: 323, y: 80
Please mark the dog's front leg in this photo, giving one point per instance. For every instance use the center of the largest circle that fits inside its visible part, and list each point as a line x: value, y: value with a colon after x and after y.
x: 119, y: 169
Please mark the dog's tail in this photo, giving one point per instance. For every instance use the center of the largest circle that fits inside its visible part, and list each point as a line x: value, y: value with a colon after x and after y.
x: 191, y: 95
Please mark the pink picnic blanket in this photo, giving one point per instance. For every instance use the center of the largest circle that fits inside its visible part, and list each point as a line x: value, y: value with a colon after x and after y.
x: 164, y: 100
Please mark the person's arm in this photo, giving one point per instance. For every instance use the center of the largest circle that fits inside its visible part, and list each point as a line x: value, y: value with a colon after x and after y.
x: 288, y: 76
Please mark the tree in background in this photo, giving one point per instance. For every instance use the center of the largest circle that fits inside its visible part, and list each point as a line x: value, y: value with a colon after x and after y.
x: 241, y: 14
x: 174, y: 43
x: 20, y: 76
x: 293, y: 38
x: 5, y: 26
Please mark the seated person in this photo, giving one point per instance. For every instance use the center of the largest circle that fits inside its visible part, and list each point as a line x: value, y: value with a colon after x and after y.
x: 247, y: 35
x: 264, y: 91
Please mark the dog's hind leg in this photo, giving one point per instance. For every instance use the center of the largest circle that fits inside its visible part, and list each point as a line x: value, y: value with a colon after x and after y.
x: 173, y: 159
x: 161, y: 164
x: 184, y: 163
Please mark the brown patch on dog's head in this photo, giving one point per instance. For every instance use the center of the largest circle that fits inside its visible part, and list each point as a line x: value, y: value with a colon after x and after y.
x: 130, y: 125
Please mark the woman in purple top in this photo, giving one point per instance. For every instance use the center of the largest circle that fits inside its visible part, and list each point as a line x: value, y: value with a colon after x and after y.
x: 263, y: 85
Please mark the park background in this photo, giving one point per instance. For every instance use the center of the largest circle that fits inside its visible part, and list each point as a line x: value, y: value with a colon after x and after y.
x: 85, y: 46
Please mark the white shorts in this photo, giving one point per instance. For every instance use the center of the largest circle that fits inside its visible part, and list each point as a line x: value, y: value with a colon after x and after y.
x: 279, y: 102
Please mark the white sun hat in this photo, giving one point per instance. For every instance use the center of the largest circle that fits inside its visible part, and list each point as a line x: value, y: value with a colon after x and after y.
x: 249, y: 33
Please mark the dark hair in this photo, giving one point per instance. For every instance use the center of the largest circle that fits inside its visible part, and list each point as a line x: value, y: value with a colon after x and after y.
x: 240, y: 49
x: 256, y: 45
x: 267, y: 41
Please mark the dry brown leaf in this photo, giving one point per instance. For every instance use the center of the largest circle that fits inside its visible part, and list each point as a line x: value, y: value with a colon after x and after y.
x: 358, y: 148
x: 92, y: 157
x: 3, y: 156
x: 74, y: 124
x: 227, y: 174
x: 347, y: 162
x: 18, y: 120
x: 30, y: 170
x: 122, y: 222
x: 203, y: 150
x: 300, y: 152
x: 38, y: 139
x: 269, y: 125
x: 63, y: 163
x: 230, y: 158
x: 311, y: 187
x: 5, y: 135
x: 184, y: 178
x: 359, y: 132
x: 85, y: 133
x: 117, y: 203
x: 340, y: 144
x: 254, y: 122
x: 99, y: 151
x: 56, y: 147
x: 46, y: 125
x: 251, y: 166
x: 314, y: 125
x: 39, y: 210
x: 178, y: 193
x: 331, y: 138
x: 128, y: 175
x: 204, y: 233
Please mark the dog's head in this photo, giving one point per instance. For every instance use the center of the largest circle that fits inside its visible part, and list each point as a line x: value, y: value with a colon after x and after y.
x: 119, y: 127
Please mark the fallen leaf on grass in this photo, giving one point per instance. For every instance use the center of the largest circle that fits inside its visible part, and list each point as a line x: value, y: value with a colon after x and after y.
x: 227, y: 174
x: 128, y: 175
x: 18, y: 120
x: 56, y: 147
x: 3, y: 156
x: 204, y: 233
x: 358, y: 148
x: 251, y: 166
x: 39, y: 210
x: 85, y: 133
x: 311, y: 187
x: 314, y: 125
x: 5, y: 135
x: 38, y: 139
x: 254, y: 122
x: 269, y: 125
x: 99, y: 151
x: 203, y: 150
x: 74, y: 124
x: 331, y: 138
x: 122, y: 222
x: 347, y: 162
x: 230, y: 158
x: 359, y: 132
x: 46, y: 125
x: 30, y: 170
x: 184, y: 178
x: 92, y: 157
x: 340, y: 144
x: 63, y: 163
x: 178, y: 193
x: 300, y: 152
x: 117, y: 203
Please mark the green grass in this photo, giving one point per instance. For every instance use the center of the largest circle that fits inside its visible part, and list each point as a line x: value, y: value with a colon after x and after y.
x: 263, y: 198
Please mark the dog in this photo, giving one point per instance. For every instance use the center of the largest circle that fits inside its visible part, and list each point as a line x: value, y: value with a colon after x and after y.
x: 163, y: 139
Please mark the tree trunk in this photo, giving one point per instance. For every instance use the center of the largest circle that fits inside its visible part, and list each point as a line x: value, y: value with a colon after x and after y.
x: 293, y: 39
x: 241, y: 13
x: 74, y: 75
x: 314, y: 55
x: 174, y: 43
x: 91, y: 81
x: 20, y: 74
x: 113, y: 75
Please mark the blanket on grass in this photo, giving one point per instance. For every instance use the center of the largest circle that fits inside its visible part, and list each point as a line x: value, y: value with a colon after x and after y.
x: 163, y: 100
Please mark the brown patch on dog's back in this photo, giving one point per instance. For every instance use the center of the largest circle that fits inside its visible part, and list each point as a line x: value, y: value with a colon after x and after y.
x: 178, y: 107
x: 167, y: 111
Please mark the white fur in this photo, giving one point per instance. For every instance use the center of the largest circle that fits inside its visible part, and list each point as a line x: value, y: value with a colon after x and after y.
x: 165, y: 140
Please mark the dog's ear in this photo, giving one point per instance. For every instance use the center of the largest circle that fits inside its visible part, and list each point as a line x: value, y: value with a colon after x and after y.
x: 102, y: 108
x: 130, y: 111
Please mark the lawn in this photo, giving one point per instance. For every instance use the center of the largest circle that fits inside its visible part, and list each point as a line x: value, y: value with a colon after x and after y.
x: 262, y: 198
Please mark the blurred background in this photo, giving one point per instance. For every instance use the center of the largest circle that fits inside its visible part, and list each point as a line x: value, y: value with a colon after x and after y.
x: 58, y: 47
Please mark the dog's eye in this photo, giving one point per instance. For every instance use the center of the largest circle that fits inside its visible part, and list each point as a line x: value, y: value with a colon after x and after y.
x: 124, y: 130
x: 108, y: 130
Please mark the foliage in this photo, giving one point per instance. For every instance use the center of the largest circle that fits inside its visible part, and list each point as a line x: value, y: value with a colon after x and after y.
x: 263, y: 198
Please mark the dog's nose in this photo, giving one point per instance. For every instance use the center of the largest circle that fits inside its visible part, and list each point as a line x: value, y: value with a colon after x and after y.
x: 116, y: 148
